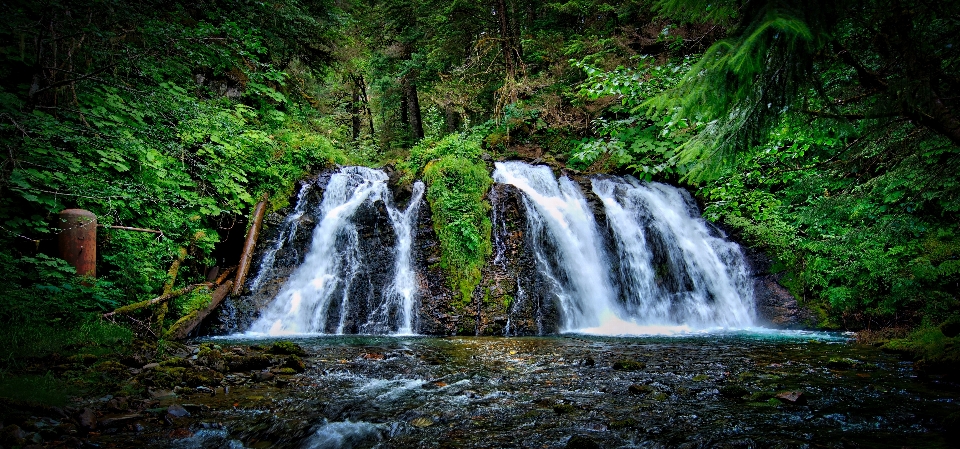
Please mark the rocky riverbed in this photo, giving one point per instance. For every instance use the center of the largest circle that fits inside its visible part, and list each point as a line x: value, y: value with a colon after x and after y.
x: 735, y: 390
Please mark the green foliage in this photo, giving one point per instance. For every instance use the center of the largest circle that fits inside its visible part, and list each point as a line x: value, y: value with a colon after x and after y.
x: 644, y: 141
x: 36, y: 389
x: 179, y: 126
x: 457, y: 181
x: 31, y: 339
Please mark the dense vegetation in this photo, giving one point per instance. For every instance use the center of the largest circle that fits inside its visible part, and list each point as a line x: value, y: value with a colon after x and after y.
x: 823, y: 133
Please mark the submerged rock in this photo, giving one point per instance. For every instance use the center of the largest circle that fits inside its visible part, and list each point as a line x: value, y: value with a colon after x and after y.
x: 628, y: 365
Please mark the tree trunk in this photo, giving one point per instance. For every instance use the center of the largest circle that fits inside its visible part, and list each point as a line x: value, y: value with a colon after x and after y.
x: 413, y: 108
x: 451, y: 118
x: 182, y: 328
x: 249, y: 245
x: 355, y: 111
x: 506, y: 38
x: 362, y: 88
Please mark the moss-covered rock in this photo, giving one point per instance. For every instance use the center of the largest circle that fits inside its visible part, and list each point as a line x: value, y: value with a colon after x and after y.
x: 112, y: 368
x: 628, y: 365
x: 733, y: 391
x: 295, y: 363
x: 248, y: 362
x: 201, y: 376
x: 284, y: 347
x: 174, y: 362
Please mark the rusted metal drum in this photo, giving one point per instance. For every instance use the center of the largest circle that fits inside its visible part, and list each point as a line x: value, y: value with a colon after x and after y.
x: 78, y: 240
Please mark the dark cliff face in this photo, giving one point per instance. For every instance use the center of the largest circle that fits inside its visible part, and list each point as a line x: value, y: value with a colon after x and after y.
x: 367, y: 281
x: 436, y: 314
x: 236, y: 314
x: 513, y: 297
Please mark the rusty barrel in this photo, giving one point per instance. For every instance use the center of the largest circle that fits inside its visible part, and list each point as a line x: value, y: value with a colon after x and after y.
x: 78, y: 240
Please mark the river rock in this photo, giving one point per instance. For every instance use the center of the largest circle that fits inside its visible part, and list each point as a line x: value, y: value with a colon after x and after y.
x: 87, y: 419
x: 177, y: 411
x: 792, y: 397
x: 13, y: 435
x: 582, y: 442
x: 115, y: 421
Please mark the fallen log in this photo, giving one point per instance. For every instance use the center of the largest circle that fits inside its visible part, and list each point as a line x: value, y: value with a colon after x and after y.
x: 248, y: 245
x: 223, y: 276
x: 158, y: 300
x: 189, y: 322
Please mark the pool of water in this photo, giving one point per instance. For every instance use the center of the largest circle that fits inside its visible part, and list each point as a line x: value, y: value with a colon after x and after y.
x: 717, y: 389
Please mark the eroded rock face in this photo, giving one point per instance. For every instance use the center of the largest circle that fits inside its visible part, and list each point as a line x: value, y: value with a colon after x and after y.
x: 436, y: 314
x: 235, y: 314
x: 776, y: 306
x: 510, y: 299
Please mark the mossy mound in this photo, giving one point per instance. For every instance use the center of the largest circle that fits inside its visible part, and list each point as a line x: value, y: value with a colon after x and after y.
x: 628, y: 365
x: 284, y: 347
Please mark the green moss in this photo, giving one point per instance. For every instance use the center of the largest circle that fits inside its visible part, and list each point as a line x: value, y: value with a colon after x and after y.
x: 176, y: 362
x: 284, y: 347
x: 700, y: 377
x: 622, y: 424
x: 192, y: 302
x: 295, y: 363
x: 457, y: 180
x: 562, y: 409
x: 933, y: 351
x: 761, y: 396
x: 628, y: 365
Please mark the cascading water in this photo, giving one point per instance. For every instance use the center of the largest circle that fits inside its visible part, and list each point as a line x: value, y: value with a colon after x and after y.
x: 287, y: 231
x: 673, y: 270
x: 566, y: 244
x: 671, y: 273
x: 400, y: 297
x: 321, y: 294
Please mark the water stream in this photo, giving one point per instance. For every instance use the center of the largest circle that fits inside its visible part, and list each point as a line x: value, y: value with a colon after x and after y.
x: 715, y: 390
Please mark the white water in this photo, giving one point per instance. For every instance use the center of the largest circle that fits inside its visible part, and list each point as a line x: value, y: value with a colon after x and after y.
x: 702, y: 281
x: 400, y: 298
x: 709, y: 283
x: 320, y: 286
x: 566, y: 244
x: 288, y: 230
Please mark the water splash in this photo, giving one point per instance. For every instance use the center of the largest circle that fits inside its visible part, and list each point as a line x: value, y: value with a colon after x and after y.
x: 565, y: 243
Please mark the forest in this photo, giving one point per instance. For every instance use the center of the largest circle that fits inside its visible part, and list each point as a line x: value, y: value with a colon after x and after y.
x: 823, y: 134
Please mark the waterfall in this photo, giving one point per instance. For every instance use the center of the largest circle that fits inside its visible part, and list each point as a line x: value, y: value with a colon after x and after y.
x: 671, y: 273
x: 331, y: 289
x: 673, y: 269
x: 567, y: 247
x: 400, y: 297
x: 288, y: 229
